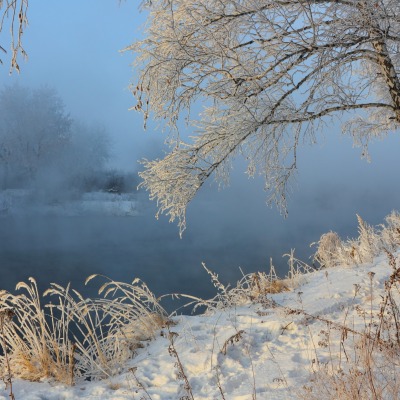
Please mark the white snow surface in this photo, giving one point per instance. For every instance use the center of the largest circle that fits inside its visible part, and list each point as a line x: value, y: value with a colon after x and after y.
x: 254, y: 347
x: 25, y: 202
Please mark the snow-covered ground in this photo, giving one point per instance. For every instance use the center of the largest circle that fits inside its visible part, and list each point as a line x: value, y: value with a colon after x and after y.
x: 22, y: 202
x: 267, y: 350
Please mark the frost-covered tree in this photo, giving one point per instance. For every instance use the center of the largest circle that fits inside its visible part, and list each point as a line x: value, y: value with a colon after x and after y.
x: 34, y: 129
x: 271, y: 74
x: 87, y: 154
x: 41, y: 146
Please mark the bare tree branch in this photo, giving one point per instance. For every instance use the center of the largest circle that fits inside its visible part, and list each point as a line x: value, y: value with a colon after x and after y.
x: 14, y: 17
x: 271, y: 73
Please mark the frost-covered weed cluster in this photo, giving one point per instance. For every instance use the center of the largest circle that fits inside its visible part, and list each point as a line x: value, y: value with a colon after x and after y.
x: 251, y: 288
x: 332, y: 251
x: 70, y: 338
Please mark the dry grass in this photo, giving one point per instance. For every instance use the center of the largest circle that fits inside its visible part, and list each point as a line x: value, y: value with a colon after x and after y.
x: 251, y: 288
x: 5, y: 317
x: 332, y: 251
x: 181, y: 374
x: 71, y: 338
x: 37, y: 342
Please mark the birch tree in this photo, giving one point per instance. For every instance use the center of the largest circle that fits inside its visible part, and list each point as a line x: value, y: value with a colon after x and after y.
x: 270, y: 75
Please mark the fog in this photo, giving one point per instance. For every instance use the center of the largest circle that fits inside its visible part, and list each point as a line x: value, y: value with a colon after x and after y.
x: 73, y: 47
x: 226, y: 229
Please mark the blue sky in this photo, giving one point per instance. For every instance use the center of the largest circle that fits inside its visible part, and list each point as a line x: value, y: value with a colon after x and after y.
x: 74, y: 46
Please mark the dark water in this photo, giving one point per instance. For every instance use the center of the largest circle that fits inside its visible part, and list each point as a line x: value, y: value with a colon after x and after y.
x: 68, y: 249
x: 225, y: 235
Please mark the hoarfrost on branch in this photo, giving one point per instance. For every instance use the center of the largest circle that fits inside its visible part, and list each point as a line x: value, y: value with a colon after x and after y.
x: 13, y: 17
x: 271, y: 74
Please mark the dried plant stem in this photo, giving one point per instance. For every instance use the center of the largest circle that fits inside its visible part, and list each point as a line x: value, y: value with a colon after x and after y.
x: 253, y: 374
x: 6, y: 315
x: 371, y: 371
x: 219, y: 385
x: 138, y: 383
x: 72, y: 363
x: 181, y: 372
x: 231, y: 340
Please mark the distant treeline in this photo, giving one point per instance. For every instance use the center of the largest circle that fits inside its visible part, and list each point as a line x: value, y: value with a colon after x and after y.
x: 42, y: 148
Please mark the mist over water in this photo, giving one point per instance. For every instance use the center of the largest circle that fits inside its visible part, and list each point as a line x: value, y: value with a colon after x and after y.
x: 231, y: 230
x: 226, y: 230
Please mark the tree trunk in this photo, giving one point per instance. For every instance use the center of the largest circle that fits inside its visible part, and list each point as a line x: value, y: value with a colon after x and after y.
x: 389, y: 74
x: 383, y: 57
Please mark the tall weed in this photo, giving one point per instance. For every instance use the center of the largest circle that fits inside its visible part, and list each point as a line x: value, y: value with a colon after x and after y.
x: 332, y: 251
x: 70, y: 337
